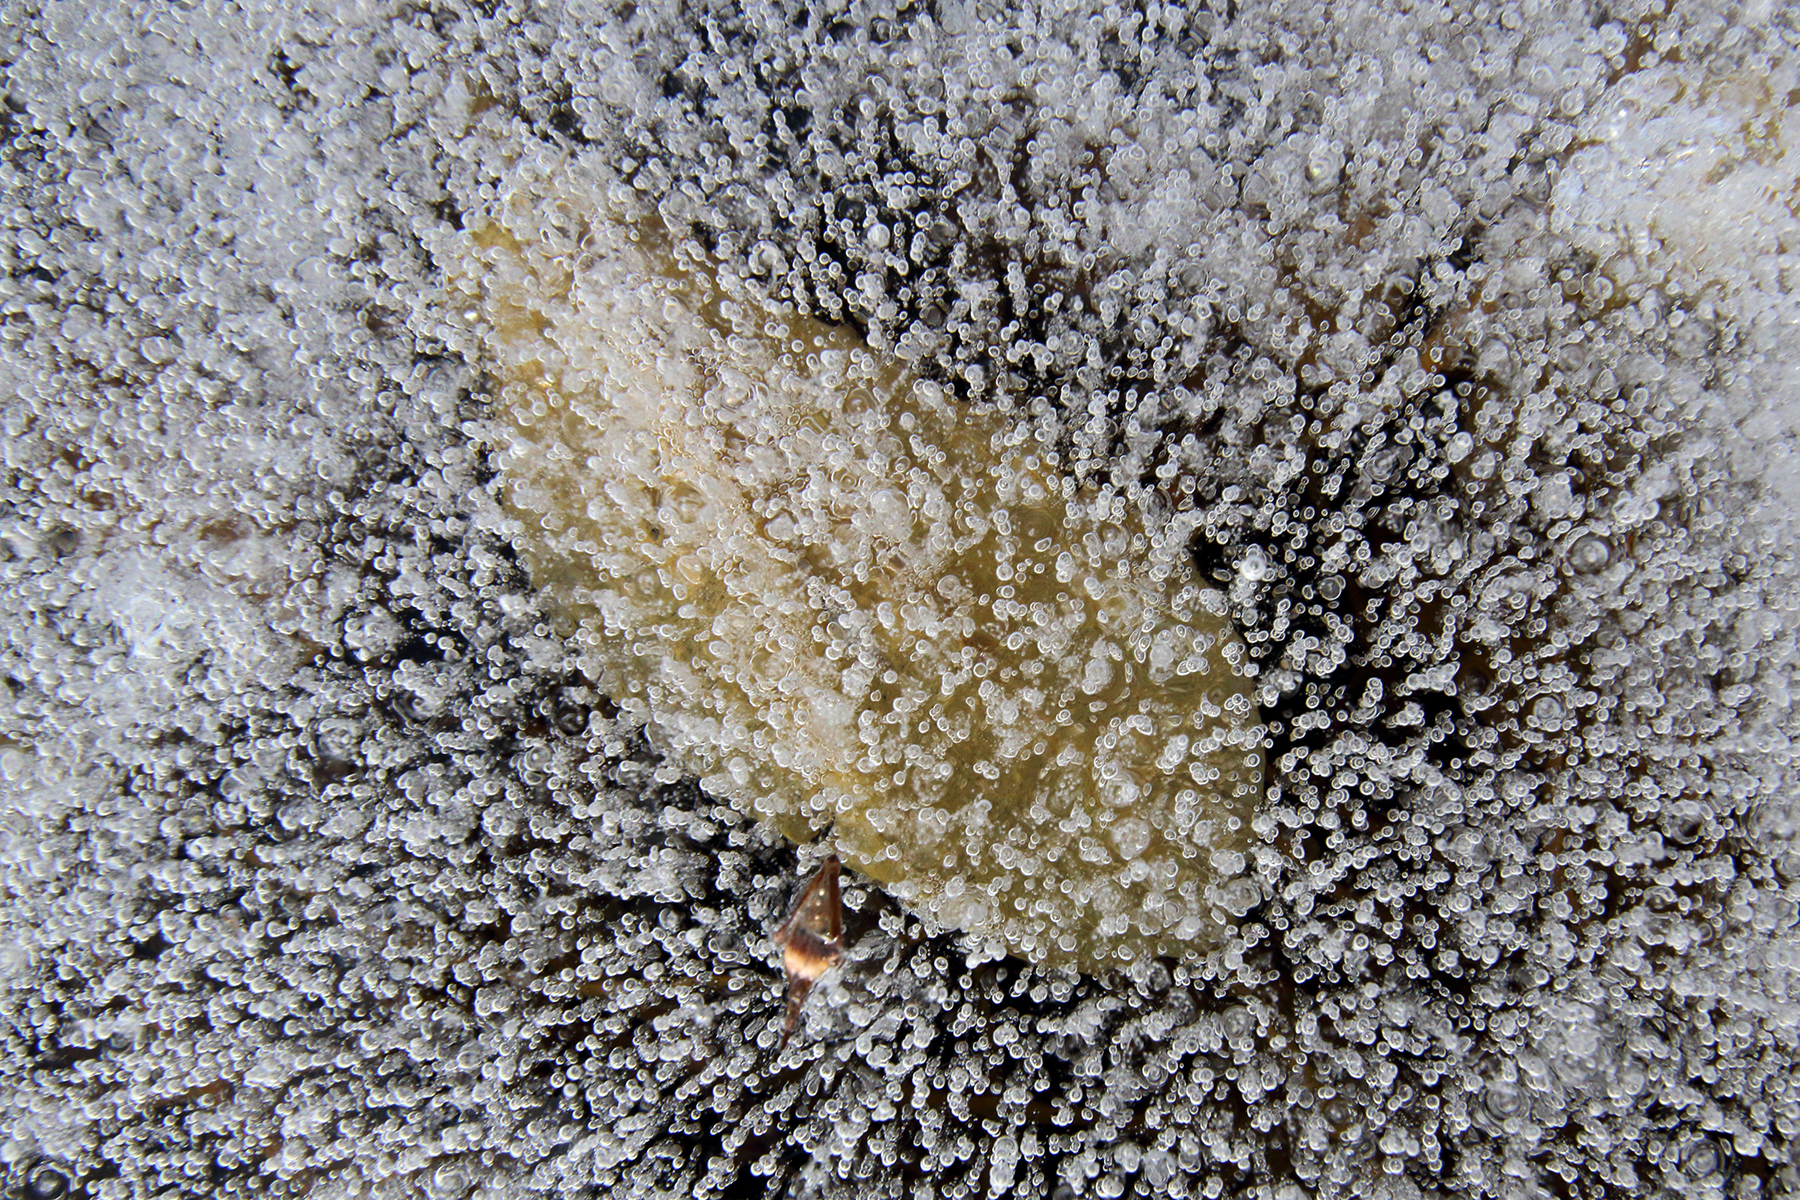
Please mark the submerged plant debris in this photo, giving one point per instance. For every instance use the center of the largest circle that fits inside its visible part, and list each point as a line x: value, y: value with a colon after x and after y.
x: 1450, y: 353
x: 841, y: 601
x: 811, y: 940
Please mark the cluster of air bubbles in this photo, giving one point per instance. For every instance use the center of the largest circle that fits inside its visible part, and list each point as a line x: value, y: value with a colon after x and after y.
x: 1436, y: 366
x: 870, y: 606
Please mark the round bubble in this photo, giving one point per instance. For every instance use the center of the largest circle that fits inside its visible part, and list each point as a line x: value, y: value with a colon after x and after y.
x: 1590, y: 553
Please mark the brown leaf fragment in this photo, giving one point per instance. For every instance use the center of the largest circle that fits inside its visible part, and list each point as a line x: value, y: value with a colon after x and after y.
x: 811, y: 939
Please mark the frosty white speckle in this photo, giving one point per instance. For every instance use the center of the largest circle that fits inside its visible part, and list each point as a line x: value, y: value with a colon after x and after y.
x: 1461, y: 347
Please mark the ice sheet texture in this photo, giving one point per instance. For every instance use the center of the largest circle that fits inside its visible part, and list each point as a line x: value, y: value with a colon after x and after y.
x: 1455, y: 345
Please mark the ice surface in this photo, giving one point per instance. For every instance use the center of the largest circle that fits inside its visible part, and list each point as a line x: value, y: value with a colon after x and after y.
x: 1453, y: 349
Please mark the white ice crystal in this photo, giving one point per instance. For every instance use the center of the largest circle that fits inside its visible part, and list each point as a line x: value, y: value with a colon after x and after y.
x: 1695, y: 177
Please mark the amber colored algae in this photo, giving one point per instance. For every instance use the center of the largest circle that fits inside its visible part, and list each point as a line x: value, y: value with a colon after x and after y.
x: 854, y: 607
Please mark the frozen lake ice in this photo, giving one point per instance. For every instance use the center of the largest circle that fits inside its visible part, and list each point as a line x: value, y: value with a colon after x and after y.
x: 1422, y: 381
